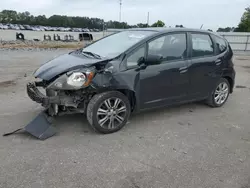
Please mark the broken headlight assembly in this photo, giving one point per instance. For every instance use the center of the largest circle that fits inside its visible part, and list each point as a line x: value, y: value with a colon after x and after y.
x: 73, y: 80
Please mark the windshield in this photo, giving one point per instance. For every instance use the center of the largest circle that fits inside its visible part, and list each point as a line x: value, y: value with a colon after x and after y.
x: 116, y: 44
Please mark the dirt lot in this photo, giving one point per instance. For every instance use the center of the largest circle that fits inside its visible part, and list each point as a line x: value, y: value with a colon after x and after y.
x: 187, y: 146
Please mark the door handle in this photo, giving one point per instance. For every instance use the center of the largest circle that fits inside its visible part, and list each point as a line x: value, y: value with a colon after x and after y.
x: 183, y: 69
x: 218, y: 62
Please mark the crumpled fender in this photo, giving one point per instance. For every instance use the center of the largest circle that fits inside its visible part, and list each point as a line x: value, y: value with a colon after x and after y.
x: 127, y: 80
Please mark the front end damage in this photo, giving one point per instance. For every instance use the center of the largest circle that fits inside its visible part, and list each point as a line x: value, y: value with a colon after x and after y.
x: 58, y: 102
x: 68, y: 90
x: 55, y: 103
x: 58, y: 96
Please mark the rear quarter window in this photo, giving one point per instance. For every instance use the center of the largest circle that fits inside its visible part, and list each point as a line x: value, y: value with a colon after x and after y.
x: 202, y: 45
x: 221, y: 44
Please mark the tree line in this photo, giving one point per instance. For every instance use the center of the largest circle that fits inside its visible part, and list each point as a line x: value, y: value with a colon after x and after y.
x: 14, y: 17
x: 243, y: 26
x: 25, y: 18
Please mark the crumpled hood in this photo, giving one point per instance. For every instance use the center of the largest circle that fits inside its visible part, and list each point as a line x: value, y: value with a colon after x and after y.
x: 63, y: 63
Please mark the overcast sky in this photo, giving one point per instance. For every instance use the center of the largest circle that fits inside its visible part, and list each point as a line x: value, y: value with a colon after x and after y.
x: 190, y: 13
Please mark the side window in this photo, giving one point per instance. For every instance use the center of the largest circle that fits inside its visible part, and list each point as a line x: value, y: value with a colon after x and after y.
x: 170, y: 47
x: 132, y: 60
x: 221, y: 44
x: 202, y: 45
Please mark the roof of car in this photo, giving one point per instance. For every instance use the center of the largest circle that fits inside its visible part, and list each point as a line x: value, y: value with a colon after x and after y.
x: 164, y: 29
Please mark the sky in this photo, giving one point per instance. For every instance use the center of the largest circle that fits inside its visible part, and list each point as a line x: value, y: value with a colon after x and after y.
x: 190, y: 13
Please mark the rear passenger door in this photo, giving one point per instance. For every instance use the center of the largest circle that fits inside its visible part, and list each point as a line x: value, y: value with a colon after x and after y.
x: 203, y: 68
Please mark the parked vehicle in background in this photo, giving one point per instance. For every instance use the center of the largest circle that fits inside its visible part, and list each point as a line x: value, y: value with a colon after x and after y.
x: 48, y: 28
x: 27, y: 27
x: 3, y: 26
x: 136, y: 70
x: 21, y: 27
x: 44, y: 28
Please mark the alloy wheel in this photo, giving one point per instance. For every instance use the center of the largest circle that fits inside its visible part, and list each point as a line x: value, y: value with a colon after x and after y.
x: 111, y: 113
x: 221, y: 93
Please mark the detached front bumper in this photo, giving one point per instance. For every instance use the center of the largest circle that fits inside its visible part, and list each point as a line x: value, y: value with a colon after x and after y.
x: 39, y: 97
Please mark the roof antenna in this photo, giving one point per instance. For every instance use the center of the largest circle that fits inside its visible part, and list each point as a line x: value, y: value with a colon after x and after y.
x: 201, y: 26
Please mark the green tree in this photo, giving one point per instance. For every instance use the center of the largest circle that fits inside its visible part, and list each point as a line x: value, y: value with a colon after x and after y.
x: 13, y: 17
x: 227, y: 29
x: 244, y: 25
x: 8, y: 16
x: 41, y: 20
x: 142, y: 25
x: 159, y: 23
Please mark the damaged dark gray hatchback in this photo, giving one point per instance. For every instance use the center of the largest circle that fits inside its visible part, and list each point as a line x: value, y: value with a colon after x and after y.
x: 134, y: 70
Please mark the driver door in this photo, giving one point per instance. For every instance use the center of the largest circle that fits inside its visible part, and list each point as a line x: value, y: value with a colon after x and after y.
x: 167, y: 82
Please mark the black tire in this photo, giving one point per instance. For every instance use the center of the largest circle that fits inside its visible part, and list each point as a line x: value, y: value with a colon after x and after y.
x: 94, y: 104
x: 211, y: 99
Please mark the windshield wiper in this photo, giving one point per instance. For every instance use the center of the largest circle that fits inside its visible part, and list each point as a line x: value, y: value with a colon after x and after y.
x: 92, y: 54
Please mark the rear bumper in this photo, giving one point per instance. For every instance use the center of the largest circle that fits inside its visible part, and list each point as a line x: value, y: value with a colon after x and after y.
x: 35, y: 95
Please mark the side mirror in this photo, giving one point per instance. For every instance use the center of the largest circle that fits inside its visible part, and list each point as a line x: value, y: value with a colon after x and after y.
x: 153, y: 59
x: 141, y: 61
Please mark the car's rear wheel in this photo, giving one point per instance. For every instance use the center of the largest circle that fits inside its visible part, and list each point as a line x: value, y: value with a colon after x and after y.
x: 108, y: 112
x: 220, y: 94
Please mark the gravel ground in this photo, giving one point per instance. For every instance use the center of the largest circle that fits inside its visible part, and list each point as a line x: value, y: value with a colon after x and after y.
x: 185, y: 146
x: 31, y: 45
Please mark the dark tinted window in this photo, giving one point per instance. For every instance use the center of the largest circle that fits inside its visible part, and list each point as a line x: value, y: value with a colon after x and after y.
x: 202, y: 45
x: 132, y: 60
x: 170, y: 47
x: 221, y: 44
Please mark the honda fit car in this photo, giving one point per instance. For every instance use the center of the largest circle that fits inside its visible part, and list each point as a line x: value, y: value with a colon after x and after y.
x: 135, y: 70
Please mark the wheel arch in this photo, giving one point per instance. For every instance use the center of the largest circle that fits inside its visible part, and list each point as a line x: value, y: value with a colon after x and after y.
x: 231, y: 82
x: 131, y: 97
x: 130, y: 94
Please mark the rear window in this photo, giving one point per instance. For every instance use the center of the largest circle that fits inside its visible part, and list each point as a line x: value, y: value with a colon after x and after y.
x: 220, y: 44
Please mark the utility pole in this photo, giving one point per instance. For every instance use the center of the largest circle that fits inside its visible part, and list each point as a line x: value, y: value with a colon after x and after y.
x: 120, y: 15
x: 103, y: 28
x: 148, y: 20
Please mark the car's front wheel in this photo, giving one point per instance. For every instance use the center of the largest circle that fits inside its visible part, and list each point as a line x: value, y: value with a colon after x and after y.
x: 220, y: 94
x: 108, y: 112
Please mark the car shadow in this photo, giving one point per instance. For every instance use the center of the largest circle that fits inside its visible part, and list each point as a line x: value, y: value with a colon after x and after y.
x: 73, y: 123
x: 77, y: 124
x: 169, y: 110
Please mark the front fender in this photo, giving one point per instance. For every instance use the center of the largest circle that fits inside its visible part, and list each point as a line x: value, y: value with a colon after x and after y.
x: 123, y: 81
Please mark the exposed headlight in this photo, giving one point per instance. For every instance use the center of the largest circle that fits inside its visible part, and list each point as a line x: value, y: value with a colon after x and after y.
x: 77, y: 79
x: 73, y: 80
